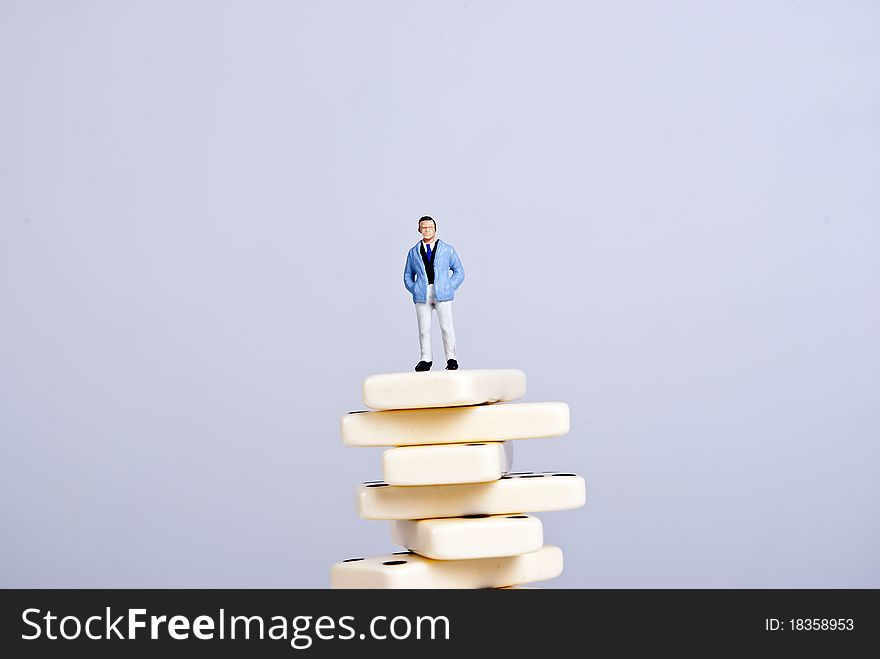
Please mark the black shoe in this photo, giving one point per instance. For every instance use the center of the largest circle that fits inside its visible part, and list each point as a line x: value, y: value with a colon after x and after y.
x: 424, y: 366
x: 451, y: 365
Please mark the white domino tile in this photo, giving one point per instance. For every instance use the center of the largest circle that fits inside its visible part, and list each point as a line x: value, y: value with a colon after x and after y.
x: 441, y: 388
x: 522, y: 492
x: 406, y: 570
x: 447, y: 464
x: 474, y: 536
x: 454, y: 425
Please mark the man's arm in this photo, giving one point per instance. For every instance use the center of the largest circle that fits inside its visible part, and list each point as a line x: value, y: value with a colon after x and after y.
x: 457, y: 270
x: 408, y: 275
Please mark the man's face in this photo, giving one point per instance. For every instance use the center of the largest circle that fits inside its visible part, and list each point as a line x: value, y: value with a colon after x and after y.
x: 427, y: 231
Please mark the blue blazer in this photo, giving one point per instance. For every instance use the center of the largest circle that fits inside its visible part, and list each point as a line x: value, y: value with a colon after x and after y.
x: 415, y: 278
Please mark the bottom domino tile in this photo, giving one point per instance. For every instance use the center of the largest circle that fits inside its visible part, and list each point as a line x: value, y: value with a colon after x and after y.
x: 519, y: 588
x: 407, y: 570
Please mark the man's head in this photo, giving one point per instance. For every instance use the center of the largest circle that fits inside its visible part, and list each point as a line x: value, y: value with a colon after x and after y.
x: 427, y: 227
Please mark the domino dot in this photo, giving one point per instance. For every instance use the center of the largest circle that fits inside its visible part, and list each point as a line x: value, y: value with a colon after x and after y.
x: 393, y: 562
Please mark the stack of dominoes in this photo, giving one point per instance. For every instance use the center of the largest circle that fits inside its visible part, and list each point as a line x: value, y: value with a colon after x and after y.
x: 448, y: 490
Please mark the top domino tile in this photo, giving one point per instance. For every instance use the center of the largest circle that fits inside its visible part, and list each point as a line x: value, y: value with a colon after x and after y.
x: 406, y: 391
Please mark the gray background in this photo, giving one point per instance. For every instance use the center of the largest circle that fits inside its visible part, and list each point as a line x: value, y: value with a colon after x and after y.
x: 668, y: 217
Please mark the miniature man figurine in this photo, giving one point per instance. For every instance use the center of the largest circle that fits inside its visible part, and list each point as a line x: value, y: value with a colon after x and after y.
x: 427, y: 276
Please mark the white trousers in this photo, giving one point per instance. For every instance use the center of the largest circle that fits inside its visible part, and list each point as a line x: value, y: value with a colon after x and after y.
x: 444, y: 315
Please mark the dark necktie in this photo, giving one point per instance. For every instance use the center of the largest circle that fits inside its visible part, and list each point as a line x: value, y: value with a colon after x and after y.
x: 428, y: 251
